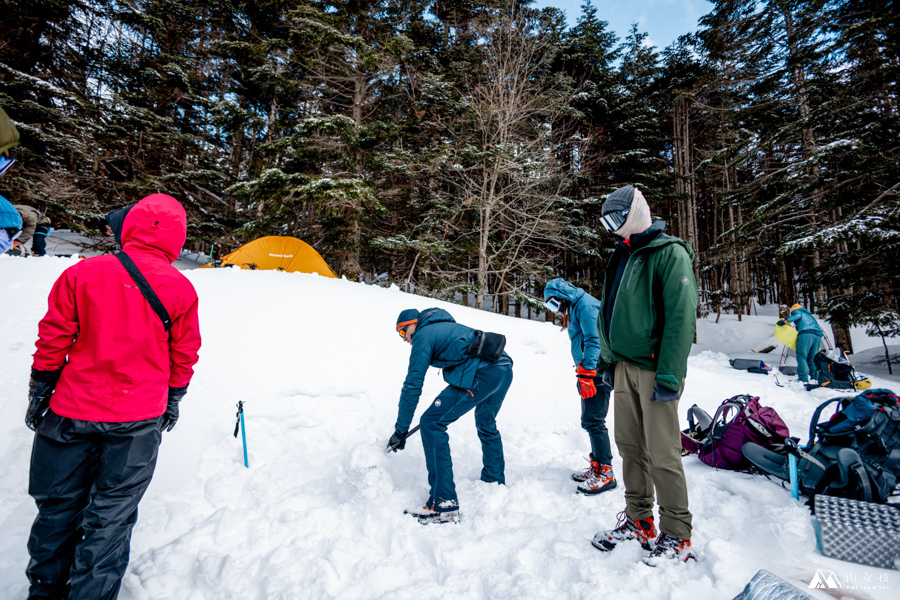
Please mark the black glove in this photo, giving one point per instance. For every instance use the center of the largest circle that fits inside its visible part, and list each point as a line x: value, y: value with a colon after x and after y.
x: 40, y: 388
x: 397, y: 441
x: 170, y: 417
x: 781, y: 322
x: 608, y: 378
x: 663, y: 394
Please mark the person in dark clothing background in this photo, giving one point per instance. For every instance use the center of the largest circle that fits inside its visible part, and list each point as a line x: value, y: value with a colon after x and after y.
x: 479, y: 383
x: 99, y: 400
x: 39, y: 240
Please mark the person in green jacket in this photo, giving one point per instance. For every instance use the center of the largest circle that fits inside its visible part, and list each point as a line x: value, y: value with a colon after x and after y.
x: 646, y: 330
x: 9, y: 139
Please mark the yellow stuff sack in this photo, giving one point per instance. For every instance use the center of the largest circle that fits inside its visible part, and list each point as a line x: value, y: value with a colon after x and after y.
x: 787, y: 335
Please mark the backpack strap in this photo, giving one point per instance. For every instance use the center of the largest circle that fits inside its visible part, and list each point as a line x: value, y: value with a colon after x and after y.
x: 842, y: 472
x: 815, y: 421
x: 146, y: 290
x: 737, y: 403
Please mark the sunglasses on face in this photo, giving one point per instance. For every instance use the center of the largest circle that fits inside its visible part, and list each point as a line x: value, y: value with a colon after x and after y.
x: 402, y: 332
x: 553, y: 304
x: 613, y: 221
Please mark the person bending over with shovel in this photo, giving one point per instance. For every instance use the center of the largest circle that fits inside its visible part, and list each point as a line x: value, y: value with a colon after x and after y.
x: 478, y: 373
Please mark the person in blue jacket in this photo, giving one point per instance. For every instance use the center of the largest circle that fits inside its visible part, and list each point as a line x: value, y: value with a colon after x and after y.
x: 579, y: 312
x: 10, y: 224
x: 809, y: 339
x: 480, y: 383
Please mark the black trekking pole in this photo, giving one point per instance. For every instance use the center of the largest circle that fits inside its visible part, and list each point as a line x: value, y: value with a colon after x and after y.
x: 393, y: 446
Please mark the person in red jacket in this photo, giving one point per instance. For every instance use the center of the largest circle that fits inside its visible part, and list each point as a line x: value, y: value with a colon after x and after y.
x: 106, y: 381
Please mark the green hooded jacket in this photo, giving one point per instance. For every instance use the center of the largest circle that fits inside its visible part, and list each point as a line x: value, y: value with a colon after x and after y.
x: 9, y: 135
x: 653, y: 315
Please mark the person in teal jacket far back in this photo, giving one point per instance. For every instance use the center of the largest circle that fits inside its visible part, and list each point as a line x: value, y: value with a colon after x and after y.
x: 439, y: 341
x: 10, y: 224
x: 809, y: 339
x: 579, y: 312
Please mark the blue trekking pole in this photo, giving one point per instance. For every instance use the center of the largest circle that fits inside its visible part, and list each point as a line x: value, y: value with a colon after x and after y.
x: 240, y: 425
x: 795, y: 484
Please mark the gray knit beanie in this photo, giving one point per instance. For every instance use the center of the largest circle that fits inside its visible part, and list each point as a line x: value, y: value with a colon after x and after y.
x: 618, y: 200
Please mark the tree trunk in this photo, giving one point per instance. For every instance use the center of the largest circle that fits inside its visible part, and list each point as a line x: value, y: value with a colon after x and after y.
x: 841, y: 335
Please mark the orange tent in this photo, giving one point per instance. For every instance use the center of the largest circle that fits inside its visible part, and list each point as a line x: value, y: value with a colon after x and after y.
x: 277, y: 253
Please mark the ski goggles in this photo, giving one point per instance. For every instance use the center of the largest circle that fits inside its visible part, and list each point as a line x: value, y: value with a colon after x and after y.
x: 553, y: 304
x: 613, y: 221
x: 401, y: 327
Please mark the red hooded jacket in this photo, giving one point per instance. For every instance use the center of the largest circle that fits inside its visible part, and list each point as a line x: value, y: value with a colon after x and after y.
x: 121, y: 361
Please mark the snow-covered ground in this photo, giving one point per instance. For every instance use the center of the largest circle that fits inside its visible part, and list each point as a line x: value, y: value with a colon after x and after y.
x: 319, y: 513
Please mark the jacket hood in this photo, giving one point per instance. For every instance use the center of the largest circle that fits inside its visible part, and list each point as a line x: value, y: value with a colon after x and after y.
x: 156, y: 224
x: 662, y: 239
x: 9, y: 216
x: 561, y: 288
x: 433, y: 315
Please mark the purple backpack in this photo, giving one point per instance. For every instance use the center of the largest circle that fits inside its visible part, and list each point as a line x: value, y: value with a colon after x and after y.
x: 738, y: 420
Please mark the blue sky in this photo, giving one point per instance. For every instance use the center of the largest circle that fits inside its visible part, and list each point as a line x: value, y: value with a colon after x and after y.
x: 663, y: 20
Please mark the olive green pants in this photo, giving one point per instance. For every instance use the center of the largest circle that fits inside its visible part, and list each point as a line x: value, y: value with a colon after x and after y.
x: 649, y: 441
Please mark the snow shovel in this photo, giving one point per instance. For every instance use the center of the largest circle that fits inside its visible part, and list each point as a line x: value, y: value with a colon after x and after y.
x: 392, y: 447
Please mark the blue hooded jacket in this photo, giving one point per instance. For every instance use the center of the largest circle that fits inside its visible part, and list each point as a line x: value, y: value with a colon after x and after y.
x: 583, y: 312
x: 9, y: 216
x: 805, y: 321
x: 441, y: 342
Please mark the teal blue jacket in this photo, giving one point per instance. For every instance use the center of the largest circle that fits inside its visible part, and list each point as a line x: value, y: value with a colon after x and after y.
x: 804, y: 321
x: 583, y: 312
x: 9, y: 216
x: 441, y: 342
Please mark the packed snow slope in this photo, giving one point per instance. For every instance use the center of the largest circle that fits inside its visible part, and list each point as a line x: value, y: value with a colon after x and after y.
x: 319, y: 513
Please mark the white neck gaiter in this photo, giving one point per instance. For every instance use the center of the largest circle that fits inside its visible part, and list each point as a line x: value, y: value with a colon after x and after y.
x: 638, y: 219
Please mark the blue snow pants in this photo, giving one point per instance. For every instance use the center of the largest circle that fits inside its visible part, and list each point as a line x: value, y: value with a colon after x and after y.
x: 492, y: 381
x: 39, y: 241
x: 807, y: 347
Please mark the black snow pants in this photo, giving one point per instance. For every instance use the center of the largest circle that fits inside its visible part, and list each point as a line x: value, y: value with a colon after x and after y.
x: 87, y: 479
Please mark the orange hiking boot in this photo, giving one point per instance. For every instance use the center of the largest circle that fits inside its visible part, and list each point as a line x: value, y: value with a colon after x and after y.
x: 601, y: 480
x: 669, y: 548
x: 586, y: 473
x: 641, y: 530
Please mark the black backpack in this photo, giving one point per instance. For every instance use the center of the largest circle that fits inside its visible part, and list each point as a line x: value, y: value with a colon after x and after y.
x: 855, y: 454
x: 487, y: 346
x: 836, y: 372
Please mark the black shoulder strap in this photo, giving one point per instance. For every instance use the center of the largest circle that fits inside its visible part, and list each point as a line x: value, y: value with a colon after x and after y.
x: 146, y: 290
x: 815, y: 421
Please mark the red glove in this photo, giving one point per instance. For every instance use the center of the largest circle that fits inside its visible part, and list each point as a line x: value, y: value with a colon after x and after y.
x: 586, y: 381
